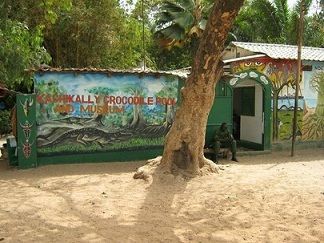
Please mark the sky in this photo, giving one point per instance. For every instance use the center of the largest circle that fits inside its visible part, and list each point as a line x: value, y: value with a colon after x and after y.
x: 292, y: 3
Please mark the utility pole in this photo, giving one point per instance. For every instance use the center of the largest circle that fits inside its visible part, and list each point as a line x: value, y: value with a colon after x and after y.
x: 299, y: 71
x: 143, y: 36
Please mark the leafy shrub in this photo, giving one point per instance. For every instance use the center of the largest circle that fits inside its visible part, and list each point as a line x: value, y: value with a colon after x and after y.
x: 5, y: 125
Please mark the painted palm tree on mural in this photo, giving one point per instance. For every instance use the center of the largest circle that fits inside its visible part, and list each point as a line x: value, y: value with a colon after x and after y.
x: 138, y: 120
x: 313, y: 127
x: 102, y: 92
x: 169, y: 90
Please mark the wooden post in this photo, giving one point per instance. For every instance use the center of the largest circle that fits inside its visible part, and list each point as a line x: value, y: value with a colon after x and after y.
x: 300, y: 41
x: 143, y: 37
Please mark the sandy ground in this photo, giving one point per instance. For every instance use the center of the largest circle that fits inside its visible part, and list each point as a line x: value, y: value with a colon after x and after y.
x: 265, y: 198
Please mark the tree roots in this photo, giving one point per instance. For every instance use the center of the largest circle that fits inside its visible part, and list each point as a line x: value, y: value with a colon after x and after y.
x: 154, y: 166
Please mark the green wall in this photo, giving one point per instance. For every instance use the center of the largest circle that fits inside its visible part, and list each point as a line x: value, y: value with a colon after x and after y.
x: 26, y: 131
x: 221, y: 111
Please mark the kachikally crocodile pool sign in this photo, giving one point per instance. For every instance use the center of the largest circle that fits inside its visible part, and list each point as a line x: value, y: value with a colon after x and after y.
x: 96, y: 112
x: 100, y: 104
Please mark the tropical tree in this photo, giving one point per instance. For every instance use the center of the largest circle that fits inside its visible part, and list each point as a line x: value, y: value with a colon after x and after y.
x: 253, y: 21
x: 175, y: 58
x: 22, y: 25
x: 180, y: 21
x: 314, y: 27
x: 183, y: 149
x: 20, y: 49
x: 34, y: 14
x: 95, y: 33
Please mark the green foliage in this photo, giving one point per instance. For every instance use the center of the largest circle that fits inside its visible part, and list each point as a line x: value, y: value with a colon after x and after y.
x: 179, y: 21
x: 95, y: 33
x: 99, y: 33
x: 5, y: 126
x: 126, y: 52
x: 314, y: 31
x: 286, y: 118
x: 22, y: 25
x: 253, y: 23
x: 34, y: 14
x: 175, y: 58
x: 20, y: 48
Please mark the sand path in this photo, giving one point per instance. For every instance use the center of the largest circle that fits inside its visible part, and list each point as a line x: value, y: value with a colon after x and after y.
x: 265, y: 198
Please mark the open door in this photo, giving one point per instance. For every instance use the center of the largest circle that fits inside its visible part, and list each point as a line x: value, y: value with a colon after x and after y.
x: 248, y: 114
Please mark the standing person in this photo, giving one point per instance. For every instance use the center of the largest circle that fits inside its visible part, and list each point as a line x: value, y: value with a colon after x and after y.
x: 224, y: 139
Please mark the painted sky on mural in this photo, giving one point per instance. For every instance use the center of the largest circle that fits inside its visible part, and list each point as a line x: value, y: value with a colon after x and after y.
x: 118, y: 85
x: 84, y: 82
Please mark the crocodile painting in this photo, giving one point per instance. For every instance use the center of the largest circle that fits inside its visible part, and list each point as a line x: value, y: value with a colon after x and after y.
x: 89, y: 135
x: 141, y: 111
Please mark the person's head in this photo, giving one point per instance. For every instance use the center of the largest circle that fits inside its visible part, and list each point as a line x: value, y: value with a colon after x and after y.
x: 223, y: 126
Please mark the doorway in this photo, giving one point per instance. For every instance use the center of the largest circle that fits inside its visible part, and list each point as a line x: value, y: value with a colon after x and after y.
x: 248, y: 114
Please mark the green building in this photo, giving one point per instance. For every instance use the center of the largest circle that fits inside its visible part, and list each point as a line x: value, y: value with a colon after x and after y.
x: 93, y: 115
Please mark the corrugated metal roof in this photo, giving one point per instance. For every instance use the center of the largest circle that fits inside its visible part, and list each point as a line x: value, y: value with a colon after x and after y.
x: 243, y: 58
x: 182, y: 73
x: 279, y: 51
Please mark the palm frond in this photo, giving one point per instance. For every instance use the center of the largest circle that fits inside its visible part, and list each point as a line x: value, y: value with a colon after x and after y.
x: 185, y: 20
x: 173, y: 32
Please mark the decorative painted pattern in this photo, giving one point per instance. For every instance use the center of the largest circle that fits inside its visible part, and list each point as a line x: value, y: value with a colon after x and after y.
x: 26, y: 131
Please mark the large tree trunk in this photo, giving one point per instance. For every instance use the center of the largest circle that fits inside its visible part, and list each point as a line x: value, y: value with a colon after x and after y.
x: 185, y: 141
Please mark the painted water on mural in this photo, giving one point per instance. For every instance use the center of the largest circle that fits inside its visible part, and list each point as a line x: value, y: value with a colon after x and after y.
x: 90, y: 112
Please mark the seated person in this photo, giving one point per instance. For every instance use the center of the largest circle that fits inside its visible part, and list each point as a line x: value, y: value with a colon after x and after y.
x: 224, y: 139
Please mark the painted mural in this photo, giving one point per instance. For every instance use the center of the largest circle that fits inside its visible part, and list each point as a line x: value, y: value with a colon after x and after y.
x: 313, y: 119
x: 94, y: 112
x: 282, y: 73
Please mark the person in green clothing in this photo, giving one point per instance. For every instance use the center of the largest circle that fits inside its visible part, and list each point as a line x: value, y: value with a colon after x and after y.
x: 224, y: 139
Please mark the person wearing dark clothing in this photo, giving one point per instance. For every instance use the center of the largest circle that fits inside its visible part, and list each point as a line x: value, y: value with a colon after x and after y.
x: 223, y: 139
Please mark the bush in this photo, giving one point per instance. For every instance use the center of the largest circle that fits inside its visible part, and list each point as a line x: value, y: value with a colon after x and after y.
x: 5, y: 125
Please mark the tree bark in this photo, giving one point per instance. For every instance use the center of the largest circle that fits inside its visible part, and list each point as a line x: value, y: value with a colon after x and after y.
x: 185, y: 142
